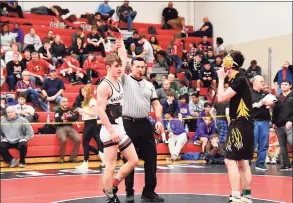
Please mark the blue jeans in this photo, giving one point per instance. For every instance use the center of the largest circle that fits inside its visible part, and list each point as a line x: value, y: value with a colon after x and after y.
x: 58, y: 99
x: 129, y: 18
x: 55, y: 61
x: 261, y: 138
x: 11, y: 81
x: 178, y: 62
x: 35, y: 99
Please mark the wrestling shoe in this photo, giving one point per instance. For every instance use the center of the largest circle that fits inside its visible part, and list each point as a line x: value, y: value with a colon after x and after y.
x: 246, y: 200
x: 234, y: 200
x: 112, y: 200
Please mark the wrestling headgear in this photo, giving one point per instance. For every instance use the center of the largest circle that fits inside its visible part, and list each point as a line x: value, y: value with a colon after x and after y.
x: 233, y: 60
x: 229, y: 62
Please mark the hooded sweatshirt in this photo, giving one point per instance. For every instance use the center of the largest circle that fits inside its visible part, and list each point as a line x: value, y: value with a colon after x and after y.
x: 16, y: 129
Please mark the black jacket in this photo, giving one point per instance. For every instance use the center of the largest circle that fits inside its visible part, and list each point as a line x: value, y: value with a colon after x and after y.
x: 283, y: 111
x: 72, y: 116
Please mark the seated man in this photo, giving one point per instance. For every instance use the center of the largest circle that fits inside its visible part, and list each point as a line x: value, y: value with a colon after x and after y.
x: 12, y: 6
x: 28, y: 88
x: 205, y: 43
x: 205, y: 30
x: 45, y: 51
x: 126, y: 14
x: 131, y: 43
x: 177, y: 135
x: 183, y: 111
x: 147, y: 53
x: 53, y: 87
x: 106, y: 10
x: 203, y: 132
x: 173, y: 84
x: 14, y: 70
x: 14, y: 137
x: 162, y: 92
x: 95, y: 42
x: 71, y: 68
x: 207, y: 77
x: 65, y: 114
x: 38, y: 68
x: 215, y: 151
x: 58, y: 50
x: 171, y: 18
x: 206, y: 112
x: 24, y: 110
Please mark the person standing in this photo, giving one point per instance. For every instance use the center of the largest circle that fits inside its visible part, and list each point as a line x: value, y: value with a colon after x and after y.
x: 282, y: 122
x: 140, y: 95
x: 261, y: 116
x: 240, y: 138
x: 109, y: 108
x: 91, y: 128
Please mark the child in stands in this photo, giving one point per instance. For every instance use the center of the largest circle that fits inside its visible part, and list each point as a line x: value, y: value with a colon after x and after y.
x: 274, y: 148
x: 207, y: 77
x: 214, y: 151
x: 177, y: 135
x: 24, y: 110
x: 204, y: 132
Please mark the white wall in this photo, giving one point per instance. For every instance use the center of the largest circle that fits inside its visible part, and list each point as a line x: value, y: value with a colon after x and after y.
x: 148, y: 11
x: 239, y: 22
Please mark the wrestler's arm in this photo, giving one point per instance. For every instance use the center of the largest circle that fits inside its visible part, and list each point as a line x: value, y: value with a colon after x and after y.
x: 122, y: 53
x: 103, y: 93
x: 224, y: 95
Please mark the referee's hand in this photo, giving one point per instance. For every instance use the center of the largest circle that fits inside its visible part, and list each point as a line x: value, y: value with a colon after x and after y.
x: 115, y: 138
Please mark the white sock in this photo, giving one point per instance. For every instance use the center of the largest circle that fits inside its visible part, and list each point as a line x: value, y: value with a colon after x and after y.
x: 236, y: 194
x: 133, y: 54
x: 164, y: 137
x: 197, y: 89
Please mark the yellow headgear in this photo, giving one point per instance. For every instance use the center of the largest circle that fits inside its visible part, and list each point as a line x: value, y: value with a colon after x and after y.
x: 228, y: 62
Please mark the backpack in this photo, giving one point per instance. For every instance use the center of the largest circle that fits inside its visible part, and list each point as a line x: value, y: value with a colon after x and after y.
x: 191, y: 156
x: 152, y: 31
x: 47, y: 129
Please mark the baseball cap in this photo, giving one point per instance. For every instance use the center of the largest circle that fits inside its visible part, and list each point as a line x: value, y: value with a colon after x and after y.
x: 52, y: 70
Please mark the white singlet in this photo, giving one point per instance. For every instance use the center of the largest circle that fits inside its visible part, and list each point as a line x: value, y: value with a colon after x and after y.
x: 115, y: 100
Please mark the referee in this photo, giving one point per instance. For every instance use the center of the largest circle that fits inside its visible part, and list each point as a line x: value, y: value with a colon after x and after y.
x: 139, y: 95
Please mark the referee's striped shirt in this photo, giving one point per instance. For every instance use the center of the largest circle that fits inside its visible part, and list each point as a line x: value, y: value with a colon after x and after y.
x: 138, y: 95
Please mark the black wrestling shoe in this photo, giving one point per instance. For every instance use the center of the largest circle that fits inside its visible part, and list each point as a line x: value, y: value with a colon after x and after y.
x: 152, y: 198
x: 285, y: 168
x: 112, y: 199
x: 115, y: 190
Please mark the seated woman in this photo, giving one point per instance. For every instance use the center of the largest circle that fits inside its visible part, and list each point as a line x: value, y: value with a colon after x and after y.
x: 9, y: 54
x: 80, y: 50
x: 177, y: 135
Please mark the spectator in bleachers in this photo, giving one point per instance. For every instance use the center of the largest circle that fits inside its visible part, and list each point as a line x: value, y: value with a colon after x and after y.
x: 19, y: 35
x: 215, y: 151
x: 2, y: 67
x: 173, y: 84
x: 282, y: 121
x: 80, y: 50
x: 90, y: 68
x: 50, y: 37
x: 64, y: 114
x: 206, y: 112
x: 219, y: 49
x: 183, y: 87
x: 196, y: 105
x: 132, y: 43
x: 207, y: 76
x: 14, y: 70
x: 12, y: 6
x: 45, y: 52
x: 286, y: 73
x: 274, y: 148
x: 6, y: 38
x: 203, y: 132
x: 70, y: 68
x: 163, y: 78
x: 101, y: 26
x: 28, y: 88
x: 53, y: 87
x: 24, y: 110
x: 78, y: 33
x: 126, y: 14
x: 195, y: 65
x: 162, y: 92
x: 183, y: 113
x: 192, y: 51
x: 218, y: 64
x: 157, y: 49
x: 32, y: 41
x: 27, y: 58
x: 95, y: 42
x: 9, y: 54
x: 170, y: 104
x: 58, y: 50
x: 171, y: 18
x: 175, y: 43
x: 147, y: 53
x: 253, y: 70
x: 211, y: 58
x: 221, y: 110
x: 205, y: 30
x: 153, y: 80
x: 205, y: 43
x: 15, y: 133
x: 106, y: 10
x: 3, y: 108
x: 78, y: 100
x: 38, y: 68
x: 177, y: 135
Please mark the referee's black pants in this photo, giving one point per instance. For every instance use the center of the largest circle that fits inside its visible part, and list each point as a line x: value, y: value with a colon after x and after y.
x: 142, y: 136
